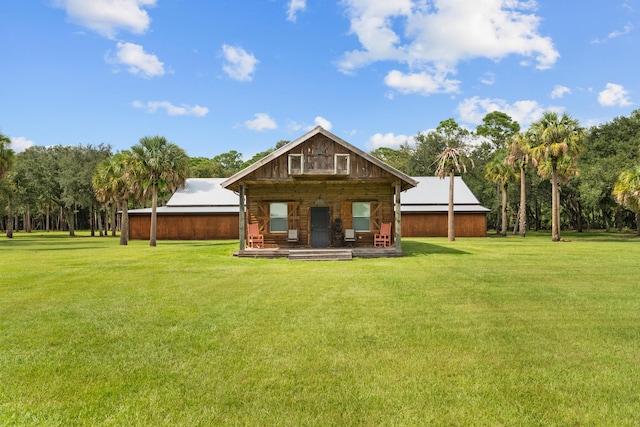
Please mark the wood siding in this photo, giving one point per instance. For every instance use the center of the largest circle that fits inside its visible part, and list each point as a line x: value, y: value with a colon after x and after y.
x: 435, y: 224
x: 318, y: 156
x: 336, y: 195
x: 185, y: 227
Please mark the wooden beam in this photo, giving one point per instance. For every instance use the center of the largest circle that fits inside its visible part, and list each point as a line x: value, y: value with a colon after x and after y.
x: 242, y: 219
x: 398, y: 215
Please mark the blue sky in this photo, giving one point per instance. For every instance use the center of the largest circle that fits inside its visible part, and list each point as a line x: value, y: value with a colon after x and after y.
x: 214, y: 76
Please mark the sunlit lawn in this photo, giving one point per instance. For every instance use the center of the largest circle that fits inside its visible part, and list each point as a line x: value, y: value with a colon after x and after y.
x: 498, y: 331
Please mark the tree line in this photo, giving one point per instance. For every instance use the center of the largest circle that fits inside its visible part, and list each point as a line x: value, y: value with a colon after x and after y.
x: 555, y: 175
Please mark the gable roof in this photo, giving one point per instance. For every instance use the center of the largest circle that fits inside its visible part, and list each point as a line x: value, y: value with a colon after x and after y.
x: 232, y: 182
x: 432, y: 195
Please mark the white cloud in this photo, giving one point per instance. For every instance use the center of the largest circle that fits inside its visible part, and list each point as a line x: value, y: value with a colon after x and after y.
x: 261, y: 122
x: 387, y: 140
x: 474, y: 109
x: 20, y: 143
x: 440, y: 34
x: 295, y: 6
x: 139, y: 62
x: 321, y: 121
x: 107, y: 17
x: 240, y: 65
x: 615, y: 34
x: 172, y: 110
x: 488, y: 79
x: 294, y: 126
x: 421, y: 83
x: 560, y: 91
x: 614, y: 95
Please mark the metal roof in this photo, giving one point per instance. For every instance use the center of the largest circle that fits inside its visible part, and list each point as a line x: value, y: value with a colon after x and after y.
x: 432, y: 195
x: 203, y: 192
x: 207, y: 196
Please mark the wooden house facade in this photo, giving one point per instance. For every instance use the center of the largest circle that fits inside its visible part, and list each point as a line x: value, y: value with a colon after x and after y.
x: 308, y: 192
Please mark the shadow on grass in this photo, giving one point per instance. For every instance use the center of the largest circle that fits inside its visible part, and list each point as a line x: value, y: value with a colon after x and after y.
x: 415, y: 248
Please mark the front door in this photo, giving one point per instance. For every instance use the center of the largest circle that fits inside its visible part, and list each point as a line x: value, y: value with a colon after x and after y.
x: 320, y: 227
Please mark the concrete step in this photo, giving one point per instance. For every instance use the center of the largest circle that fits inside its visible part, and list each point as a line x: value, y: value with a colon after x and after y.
x: 321, y: 255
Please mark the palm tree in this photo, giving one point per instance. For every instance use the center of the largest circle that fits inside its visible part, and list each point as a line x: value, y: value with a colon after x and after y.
x: 7, y: 158
x: 627, y: 192
x: 450, y: 161
x: 157, y: 164
x: 111, y: 186
x: 499, y: 172
x: 519, y: 148
x: 555, y: 138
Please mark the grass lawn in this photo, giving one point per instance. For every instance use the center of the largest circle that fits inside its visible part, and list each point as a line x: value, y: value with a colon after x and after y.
x: 497, y: 331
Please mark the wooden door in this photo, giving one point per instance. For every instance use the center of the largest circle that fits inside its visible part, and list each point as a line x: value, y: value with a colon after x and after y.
x: 320, y: 227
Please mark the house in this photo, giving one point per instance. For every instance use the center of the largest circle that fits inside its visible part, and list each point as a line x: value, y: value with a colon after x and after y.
x: 283, y: 193
x: 425, y: 209
x: 317, y: 187
x: 202, y: 210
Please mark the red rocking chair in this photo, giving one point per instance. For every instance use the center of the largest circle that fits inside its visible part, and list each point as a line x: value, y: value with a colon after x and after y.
x: 254, y: 238
x: 383, y: 238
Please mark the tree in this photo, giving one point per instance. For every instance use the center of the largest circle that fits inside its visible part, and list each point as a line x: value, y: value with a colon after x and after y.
x: 554, y: 138
x: 610, y: 148
x: 111, y: 186
x: 498, y: 128
x: 399, y: 159
x: 7, y: 156
x: 627, y: 192
x: 518, y: 156
x: 454, y: 158
x: 77, y: 165
x: 7, y: 159
x: 500, y: 172
x: 157, y: 164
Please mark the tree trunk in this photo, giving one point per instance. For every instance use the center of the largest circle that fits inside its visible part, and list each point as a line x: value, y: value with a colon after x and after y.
x: 504, y: 210
x: 523, y: 203
x: 98, y: 219
x: 92, y: 220
x: 154, y: 217
x: 106, y: 219
x: 71, y: 222
x: 555, y: 209
x: 638, y: 223
x: 451, y: 233
x: 113, y: 220
x: 124, y: 230
x: 9, y: 219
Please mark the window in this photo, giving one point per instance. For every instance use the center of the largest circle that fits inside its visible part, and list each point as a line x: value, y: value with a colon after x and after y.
x: 341, y: 164
x: 296, y: 166
x: 361, y: 212
x: 278, y: 217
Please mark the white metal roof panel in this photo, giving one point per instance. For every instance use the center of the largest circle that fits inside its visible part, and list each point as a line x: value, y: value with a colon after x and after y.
x: 203, y: 192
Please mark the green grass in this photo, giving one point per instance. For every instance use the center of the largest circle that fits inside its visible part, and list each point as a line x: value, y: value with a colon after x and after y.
x: 498, y: 331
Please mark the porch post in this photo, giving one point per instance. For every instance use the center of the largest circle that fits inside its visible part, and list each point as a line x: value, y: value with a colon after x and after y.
x: 398, y: 242
x: 241, y: 218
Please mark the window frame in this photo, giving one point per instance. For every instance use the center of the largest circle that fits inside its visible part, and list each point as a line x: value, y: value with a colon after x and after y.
x: 278, y: 218
x: 358, y: 221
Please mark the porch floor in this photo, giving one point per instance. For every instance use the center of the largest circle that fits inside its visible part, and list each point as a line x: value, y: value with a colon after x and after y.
x: 324, y: 254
